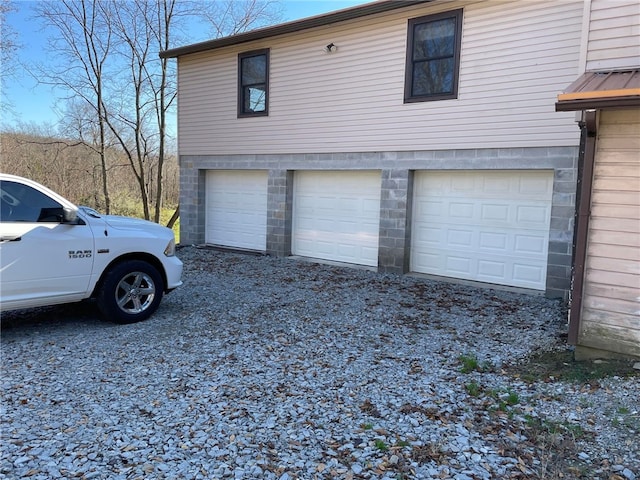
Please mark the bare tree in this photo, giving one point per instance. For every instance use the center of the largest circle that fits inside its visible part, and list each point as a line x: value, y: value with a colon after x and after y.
x: 144, y: 28
x: 84, y: 43
x: 130, y: 125
x: 109, y: 60
x: 8, y: 48
x: 157, y: 34
x: 81, y: 124
x: 164, y: 91
x: 8, y: 40
x: 230, y: 17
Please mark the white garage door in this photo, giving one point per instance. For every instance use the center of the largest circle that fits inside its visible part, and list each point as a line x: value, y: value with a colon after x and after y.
x: 488, y: 226
x: 236, y: 206
x: 336, y: 216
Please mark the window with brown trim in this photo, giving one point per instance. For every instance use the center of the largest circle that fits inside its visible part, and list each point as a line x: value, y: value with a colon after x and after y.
x: 253, y: 83
x: 433, y: 57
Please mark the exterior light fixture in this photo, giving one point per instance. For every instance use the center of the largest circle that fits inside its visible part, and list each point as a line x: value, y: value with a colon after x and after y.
x: 332, y: 47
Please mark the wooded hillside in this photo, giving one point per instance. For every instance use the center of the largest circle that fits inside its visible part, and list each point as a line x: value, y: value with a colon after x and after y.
x: 72, y: 169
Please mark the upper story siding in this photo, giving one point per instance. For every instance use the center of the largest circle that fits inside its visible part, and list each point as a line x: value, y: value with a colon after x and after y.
x: 516, y: 56
x: 614, y: 35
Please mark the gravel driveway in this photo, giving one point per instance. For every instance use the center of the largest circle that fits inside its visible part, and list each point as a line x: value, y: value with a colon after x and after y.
x: 271, y: 368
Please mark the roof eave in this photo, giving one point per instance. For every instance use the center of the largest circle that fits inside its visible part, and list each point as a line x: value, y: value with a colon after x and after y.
x: 294, y: 26
x: 598, y: 103
x: 602, y: 89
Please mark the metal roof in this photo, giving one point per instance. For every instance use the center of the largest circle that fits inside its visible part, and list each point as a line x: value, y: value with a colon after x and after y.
x: 602, y: 90
x: 295, y: 26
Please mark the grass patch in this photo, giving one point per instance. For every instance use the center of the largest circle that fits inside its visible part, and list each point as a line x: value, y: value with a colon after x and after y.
x: 561, y: 366
x: 380, y: 445
x: 512, y: 398
x: 473, y: 389
x: 556, y: 444
x: 540, y: 429
x: 470, y: 364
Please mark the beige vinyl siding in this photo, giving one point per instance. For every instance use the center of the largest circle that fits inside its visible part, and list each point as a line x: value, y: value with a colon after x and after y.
x: 614, y: 35
x: 611, y: 308
x: 516, y: 57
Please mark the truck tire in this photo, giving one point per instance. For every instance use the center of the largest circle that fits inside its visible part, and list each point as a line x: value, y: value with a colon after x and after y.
x: 131, y: 292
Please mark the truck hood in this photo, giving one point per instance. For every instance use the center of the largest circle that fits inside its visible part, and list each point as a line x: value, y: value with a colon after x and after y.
x: 127, y: 223
x: 123, y: 223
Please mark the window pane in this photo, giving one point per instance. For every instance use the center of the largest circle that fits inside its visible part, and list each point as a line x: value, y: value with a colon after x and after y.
x: 255, y: 99
x: 434, y: 39
x: 433, y: 57
x: 21, y: 203
x: 254, y: 70
x: 433, y: 77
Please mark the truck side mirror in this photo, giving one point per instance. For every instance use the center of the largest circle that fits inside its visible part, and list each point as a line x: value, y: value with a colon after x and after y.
x: 59, y: 215
x: 51, y: 215
x: 69, y: 215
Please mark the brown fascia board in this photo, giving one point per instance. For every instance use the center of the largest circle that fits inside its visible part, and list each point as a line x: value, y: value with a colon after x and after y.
x: 295, y: 26
x: 588, y: 104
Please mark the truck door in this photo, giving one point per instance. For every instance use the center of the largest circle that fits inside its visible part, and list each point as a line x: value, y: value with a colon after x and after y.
x: 40, y: 257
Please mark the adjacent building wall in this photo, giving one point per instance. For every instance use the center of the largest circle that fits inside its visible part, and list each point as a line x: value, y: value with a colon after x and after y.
x: 614, y: 35
x: 610, y: 318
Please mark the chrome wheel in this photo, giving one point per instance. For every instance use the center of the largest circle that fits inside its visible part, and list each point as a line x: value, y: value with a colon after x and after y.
x: 130, y: 292
x: 135, y: 292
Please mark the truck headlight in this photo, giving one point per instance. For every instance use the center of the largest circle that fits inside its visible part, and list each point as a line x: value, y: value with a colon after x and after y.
x: 170, y: 249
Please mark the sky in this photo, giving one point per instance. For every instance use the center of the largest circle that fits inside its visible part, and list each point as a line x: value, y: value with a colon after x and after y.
x: 33, y: 104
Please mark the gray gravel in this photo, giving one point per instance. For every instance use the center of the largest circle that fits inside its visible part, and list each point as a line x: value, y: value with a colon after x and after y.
x: 271, y: 368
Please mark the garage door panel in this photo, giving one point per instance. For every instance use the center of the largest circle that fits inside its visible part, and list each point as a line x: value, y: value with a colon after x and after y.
x: 460, y: 184
x: 524, y: 273
x: 460, y: 238
x: 336, y: 216
x: 433, y: 208
x: 325, y: 248
x: 485, y: 226
x: 494, y: 184
x: 530, y: 244
x: 429, y: 235
x: 347, y: 251
x: 535, y: 215
x: 489, y: 269
x: 493, y: 241
x: 479, y: 241
x: 462, y: 211
x: 236, y: 208
x: 371, y: 206
x: 493, y: 212
x: 535, y: 186
x: 459, y: 265
x: 430, y: 262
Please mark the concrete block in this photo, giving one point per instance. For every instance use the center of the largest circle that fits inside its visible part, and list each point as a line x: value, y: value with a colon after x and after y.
x: 559, y: 259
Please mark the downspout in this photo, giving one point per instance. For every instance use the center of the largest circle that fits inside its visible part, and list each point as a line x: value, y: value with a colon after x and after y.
x: 583, y: 212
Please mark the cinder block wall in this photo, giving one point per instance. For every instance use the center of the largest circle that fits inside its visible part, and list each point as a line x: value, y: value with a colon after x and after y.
x: 396, y: 195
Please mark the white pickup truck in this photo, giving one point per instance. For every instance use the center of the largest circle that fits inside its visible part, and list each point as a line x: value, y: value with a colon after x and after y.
x: 53, y: 252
